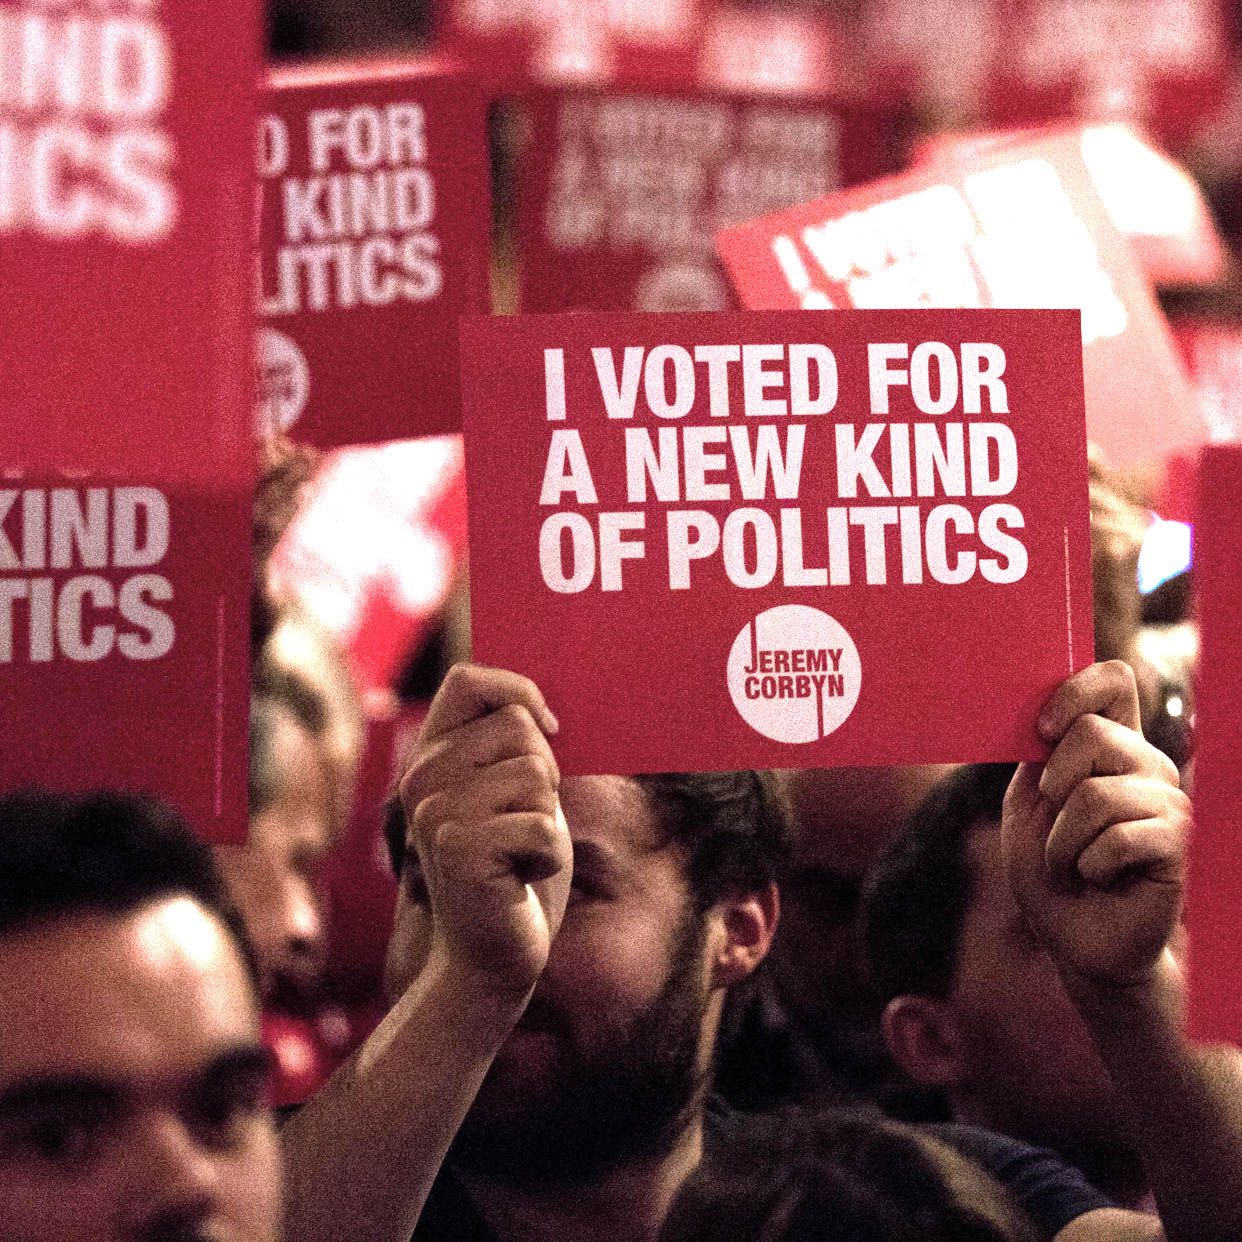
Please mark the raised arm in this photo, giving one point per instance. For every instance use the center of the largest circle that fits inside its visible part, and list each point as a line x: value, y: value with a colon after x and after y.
x: 484, y: 886
x: 1095, y: 848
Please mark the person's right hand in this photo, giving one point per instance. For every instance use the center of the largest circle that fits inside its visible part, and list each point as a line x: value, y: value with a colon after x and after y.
x: 481, y: 796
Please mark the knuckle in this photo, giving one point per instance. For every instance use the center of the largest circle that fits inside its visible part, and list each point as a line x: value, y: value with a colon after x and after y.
x: 458, y: 676
x: 1167, y: 770
x: 530, y: 770
x: 543, y: 832
x: 1181, y: 810
x: 1120, y: 672
x: 410, y: 788
x: 515, y: 720
x: 1089, y: 801
x: 419, y: 780
x: 428, y: 812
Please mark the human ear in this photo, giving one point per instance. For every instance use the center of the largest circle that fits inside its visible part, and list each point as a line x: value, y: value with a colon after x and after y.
x: 746, y: 924
x: 922, y: 1035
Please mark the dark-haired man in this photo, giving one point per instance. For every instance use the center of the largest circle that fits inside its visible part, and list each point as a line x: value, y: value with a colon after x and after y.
x: 974, y: 1005
x: 131, y: 1076
x: 1094, y: 848
x: 1022, y: 934
x: 590, y: 1106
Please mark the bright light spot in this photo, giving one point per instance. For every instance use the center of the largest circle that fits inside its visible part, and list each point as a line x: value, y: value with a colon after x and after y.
x: 1164, y: 555
x: 1174, y: 706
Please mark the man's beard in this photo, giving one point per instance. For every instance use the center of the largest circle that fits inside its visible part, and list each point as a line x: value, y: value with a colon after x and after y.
x: 626, y: 1104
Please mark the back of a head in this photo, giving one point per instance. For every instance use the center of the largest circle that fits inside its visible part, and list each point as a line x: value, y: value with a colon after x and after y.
x: 734, y: 827
x: 828, y: 1176
x: 918, y: 893
x: 63, y: 855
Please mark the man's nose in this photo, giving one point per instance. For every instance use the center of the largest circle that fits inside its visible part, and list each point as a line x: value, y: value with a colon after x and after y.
x: 173, y: 1181
x: 302, y: 927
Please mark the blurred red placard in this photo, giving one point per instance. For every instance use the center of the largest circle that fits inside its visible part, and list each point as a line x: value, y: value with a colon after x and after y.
x: 374, y: 236
x: 1151, y: 199
x: 1164, y: 64
x: 1214, y: 901
x: 622, y: 192
x: 512, y: 44
x: 1212, y: 351
x: 1015, y: 226
x: 125, y: 451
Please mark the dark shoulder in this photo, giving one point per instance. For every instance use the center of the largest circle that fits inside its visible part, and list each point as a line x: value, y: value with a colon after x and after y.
x: 1048, y: 1188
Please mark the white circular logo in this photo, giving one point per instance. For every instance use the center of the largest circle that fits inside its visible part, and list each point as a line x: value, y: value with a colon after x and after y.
x: 794, y: 674
x: 283, y: 382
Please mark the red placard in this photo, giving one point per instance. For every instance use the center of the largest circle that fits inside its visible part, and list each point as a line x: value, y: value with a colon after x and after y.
x: 1214, y: 901
x: 122, y: 228
x: 375, y: 549
x: 517, y: 44
x: 124, y: 643
x: 773, y: 51
x: 126, y: 144
x: 1017, y: 226
x: 1152, y: 200
x: 1161, y: 63
x: 1164, y: 63
x: 374, y: 236
x: 622, y: 192
x: 726, y: 540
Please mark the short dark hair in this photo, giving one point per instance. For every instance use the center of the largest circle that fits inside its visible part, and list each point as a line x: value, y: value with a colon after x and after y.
x: 733, y: 825
x: 920, y: 888
x: 63, y: 854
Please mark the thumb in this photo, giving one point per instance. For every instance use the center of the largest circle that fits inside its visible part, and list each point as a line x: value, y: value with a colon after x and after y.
x: 552, y: 890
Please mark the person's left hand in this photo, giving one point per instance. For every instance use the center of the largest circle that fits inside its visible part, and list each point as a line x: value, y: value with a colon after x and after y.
x: 1094, y: 840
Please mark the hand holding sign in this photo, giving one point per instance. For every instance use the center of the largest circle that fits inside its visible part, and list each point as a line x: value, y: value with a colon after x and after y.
x: 1095, y: 839
x: 490, y: 837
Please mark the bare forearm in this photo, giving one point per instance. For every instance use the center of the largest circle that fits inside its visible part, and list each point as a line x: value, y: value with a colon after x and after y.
x: 1184, y: 1104
x: 361, y: 1155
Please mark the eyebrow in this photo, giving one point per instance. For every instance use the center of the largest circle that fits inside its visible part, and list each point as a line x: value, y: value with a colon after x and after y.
x: 59, y: 1091
x: 237, y: 1062
x: 590, y: 855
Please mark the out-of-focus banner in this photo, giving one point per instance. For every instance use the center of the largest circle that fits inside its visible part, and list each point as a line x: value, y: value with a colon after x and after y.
x: 621, y: 193
x: 1214, y: 900
x: 1162, y: 63
x: 375, y: 549
x: 514, y: 43
x: 1020, y: 225
x: 126, y: 148
x: 649, y: 44
x: 781, y: 539
x: 1154, y: 203
x: 374, y: 236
